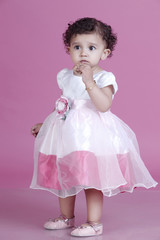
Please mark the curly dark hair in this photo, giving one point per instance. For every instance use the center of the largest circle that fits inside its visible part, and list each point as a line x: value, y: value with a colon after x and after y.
x: 88, y: 25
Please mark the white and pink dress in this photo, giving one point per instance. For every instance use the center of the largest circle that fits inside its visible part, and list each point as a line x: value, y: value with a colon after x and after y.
x: 84, y: 148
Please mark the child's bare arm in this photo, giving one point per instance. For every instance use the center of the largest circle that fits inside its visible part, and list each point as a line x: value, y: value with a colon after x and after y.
x: 101, y: 97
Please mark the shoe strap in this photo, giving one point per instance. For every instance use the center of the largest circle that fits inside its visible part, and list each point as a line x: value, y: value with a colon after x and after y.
x: 61, y: 218
x: 94, y: 225
x: 65, y: 218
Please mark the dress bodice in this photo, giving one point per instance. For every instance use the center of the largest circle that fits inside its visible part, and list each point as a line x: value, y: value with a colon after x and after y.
x: 73, y: 87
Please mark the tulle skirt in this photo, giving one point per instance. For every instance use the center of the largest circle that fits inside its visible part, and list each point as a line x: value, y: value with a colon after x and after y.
x: 88, y: 149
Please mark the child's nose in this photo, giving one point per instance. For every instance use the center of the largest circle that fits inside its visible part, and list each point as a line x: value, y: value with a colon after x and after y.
x: 83, y: 52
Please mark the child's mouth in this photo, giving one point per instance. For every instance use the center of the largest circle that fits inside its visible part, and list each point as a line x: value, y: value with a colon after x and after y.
x: 84, y: 61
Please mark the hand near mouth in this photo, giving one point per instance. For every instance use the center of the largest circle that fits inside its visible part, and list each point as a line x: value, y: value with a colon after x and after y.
x: 78, y: 68
x: 84, y: 69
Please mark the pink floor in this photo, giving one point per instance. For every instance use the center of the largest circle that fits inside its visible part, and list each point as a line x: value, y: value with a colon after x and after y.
x: 126, y: 216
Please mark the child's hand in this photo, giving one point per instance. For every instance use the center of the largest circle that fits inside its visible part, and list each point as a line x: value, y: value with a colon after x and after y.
x: 85, y: 71
x: 35, y: 129
x: 76, y: 70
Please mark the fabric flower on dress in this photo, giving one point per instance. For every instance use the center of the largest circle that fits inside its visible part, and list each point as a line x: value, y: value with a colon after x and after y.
x: 63, y: 106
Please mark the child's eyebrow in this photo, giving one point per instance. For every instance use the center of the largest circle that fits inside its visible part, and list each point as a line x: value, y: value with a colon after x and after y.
x: 89, y: 43
x: 75, y: 43
x: 92, y: 44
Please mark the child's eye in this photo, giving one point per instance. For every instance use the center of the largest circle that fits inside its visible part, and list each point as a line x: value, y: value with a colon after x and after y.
x: 92, y: 48
x: 77, y: 47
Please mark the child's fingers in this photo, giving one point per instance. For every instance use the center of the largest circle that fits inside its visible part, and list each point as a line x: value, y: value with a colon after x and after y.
x: 34, y: 134
x: 34, y: 130
x: 76, y: 70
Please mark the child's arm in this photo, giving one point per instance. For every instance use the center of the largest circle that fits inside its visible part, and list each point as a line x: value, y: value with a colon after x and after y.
x: 101, y: 97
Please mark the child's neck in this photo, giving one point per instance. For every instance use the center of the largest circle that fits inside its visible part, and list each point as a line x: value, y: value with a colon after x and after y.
x: 97, y: 69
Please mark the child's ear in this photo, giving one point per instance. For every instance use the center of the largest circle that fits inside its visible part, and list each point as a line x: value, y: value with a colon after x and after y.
x: 68, y: 50
x: 105, y: 54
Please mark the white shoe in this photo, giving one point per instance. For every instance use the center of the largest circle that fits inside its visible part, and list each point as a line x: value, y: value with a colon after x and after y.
x: 59, y: 223
x: 88, y: 230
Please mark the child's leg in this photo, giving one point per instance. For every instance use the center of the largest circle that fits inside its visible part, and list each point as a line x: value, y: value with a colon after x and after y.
x: 67, y: 210
x: 67, y: 206
x: 93, y: 226
x: 94, y: 199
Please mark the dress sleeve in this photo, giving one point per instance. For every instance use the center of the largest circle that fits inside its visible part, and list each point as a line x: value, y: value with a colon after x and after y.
x: 106, y: 79
x: 60, y: 78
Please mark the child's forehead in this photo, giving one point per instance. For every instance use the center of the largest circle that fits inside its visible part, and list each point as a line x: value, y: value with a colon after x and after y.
x: 87, y: 37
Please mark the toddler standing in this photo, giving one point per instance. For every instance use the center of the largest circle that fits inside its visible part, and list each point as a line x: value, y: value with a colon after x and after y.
x: 82, y: 145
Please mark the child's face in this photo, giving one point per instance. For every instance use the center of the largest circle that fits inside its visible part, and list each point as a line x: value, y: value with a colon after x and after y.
x: 88, y: 49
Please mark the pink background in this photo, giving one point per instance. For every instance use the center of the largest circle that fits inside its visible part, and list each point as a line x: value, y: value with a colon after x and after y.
x: 32, y: 52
